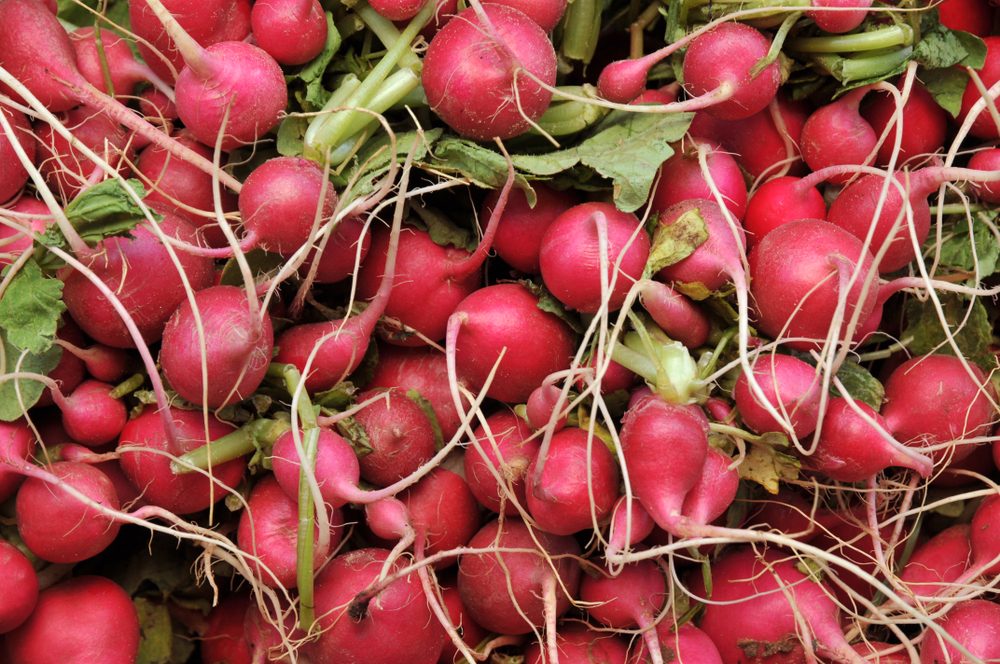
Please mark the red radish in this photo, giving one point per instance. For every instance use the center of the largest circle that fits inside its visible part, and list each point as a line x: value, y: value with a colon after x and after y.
x: 925, y: 123
x: 570, y: 256
x: 632, y: 598
x: 502, y: 455
x: 984, y: 538
x: 616, y: 377
x: 399, y: 10
x: 13, y: 175
x: 292, y: 32
x: 675, y: 314
x: 851, y: 450
x: 17, y: 441
x: 974, y: 624
x: 629, y: 526
x: 839, y: 20
x: 487, y: 101
x: 973, y: 16
x: 264, y: 639
x: 546, y: 13
x: 578, y: 484
x: 399, y: 434
x: 207, y: 23
x: 714, y: 491
x: 797, y: 274
x: 542, y: 405
x: 103, y: 362
x: 424, y: 370
x: 18, y: 587
x: 510, y: 593
x: 938, y: 562
x: 91, y: 416
x: 681, y: 178
x: 57, y: 526
x: 442, y: 511
x: 579, y: 644
x: 745, y: 586
x: 14, y: 240
x: 715, y: 262
x: 149, y: 301
x: 792, y: 386
x: 652, y: 430
x: 59, y: 631
x: 836, y: 134
x: 506, y: 319
x: 519, y: 234
x: 779, y: 201
x: 984, y: 126
x: 686, y: 645
x: 472, y: 634
x: 148, y: 467
x: 125, y: 73
x: 238, y: 344
x: 349, y: 626
x: 341, y: 254
x: 788, y: 513
x: 267, y: 530
x: 224, y: 639
x: 178, y: 188
x: 931, y: 400
x: 64, y: 167
x: 877, y: 652
x: 987, y: 160
x: 157, y: 107
x: 71, y: 370
x: 722, y: 59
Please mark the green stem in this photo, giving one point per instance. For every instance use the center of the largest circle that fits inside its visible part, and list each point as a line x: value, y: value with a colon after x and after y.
x: 735, y: 432
x: 886, y: 352
x: 102, y: 58
x: 776, y: 43
x: 861, y: 69
x: 876, y: 40
x: 128, y: 386
x: 571, y: 117
x: 581, y: 28
x: 959, y: 208
x: 243, y: 441
x: 720, y: 347
x: 635, y: 362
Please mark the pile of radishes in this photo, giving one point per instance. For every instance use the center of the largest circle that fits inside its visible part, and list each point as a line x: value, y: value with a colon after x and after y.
x: 419, y: 331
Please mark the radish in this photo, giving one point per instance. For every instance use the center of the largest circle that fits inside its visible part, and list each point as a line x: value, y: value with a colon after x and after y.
x: 576, y: 488
x: 102, y: 362
x: 13, y: 175
x: 938, y: 562
x: 974, y: 624
x: 150, y: 302
x: 400, y: 436
x: 511, y: 593
x: 932, y: 400
x: 629, y: 526
x: 850, y: 449
x: 472, y: 634
x: 779, y: 201
x: 496, y: 464
x: 721, y: 60
x: 18, y: 588
x: 987, y: 160
x: 14, y: 240
x: 715, y: 262
x: 714, y: 491
x: 675, y: 314
x: 341, y: 254
x: 685, y: 645
x: 682, y: 179
x: 925, y: 123
x: 124, y: 72
x: 570, y: 256
x: 838, y: 20
x: 974, y: 16
x: 836, y: 134
x: 443, y: 512
x: 238, y: 344
x: 632, y: 598
x: 223, y: 639
x: 878, y: 649
x: 57, y: 526
x: 546, y: 13
x: 519, y: 234
x: 543, y: 406
x: 71, y: 370
x: 91, y: 416
x: 983, y: 126
x: 351, y: 623
x: 983, y: 536
x: 792, y: 386
x: 292, y: 32
x: 64, y: 167
x: 207, y: 23
x: 17, y: 442
x: 143, y: 443
x: 492, y: 99
x: 267, y: 530
x: 399, y: 10
x: 797, y: 275
x: 424, y: 370
x: 59, y: 631
x: 747, y: 585
x: 157, y: 107
x: 504, y: 325
x: 579, y: 644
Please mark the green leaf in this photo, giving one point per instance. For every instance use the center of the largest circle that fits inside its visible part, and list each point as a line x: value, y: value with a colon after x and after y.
x: 443, y: 232
x: 960, y: 251
x: 30, y: 390
x: 315, y: 95
x: 31, y: 308
x: 355, y: 434
x: 860, y: 384
x: 546, y: 164
x: 974, y: 46
x: 106, y: 210
x: 968, y: 322
x: 768, y: 467
x: 338, y: 397
x: 947, y: 87
x: 260, y: 262
x: 674, y: 242
x: 291, y: 136
x: 156, y: 632
x: 548, y: 303
x: 480, y: 165
x: 374, y: 159
x: 940, y: 47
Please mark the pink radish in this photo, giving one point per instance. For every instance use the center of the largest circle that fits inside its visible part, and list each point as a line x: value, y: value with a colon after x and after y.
x: 13, y: 175
x: 685, y: 645
x: 400, y: 436
x: 570, y: 256
x: 223, y: 637
x: 714, y: 491
x: 17, y: 441
x: 542, y: 405
x: 577, y: 486
x: 715, y: 262
x: 443, y: 512
x: 292, y: 32
x: 629, y: 526
x: 973, y: 16
x: 974, y: 624
x: 472, y: 634
x: 91, y: 416
x: 399, y: 10
x: 681, y: 178
x: 487, y: 101
x: 925, y: 123
x: 792, y: 386
x: 939, y: 561
x: 984, y: 538
x: 632, y: 598
x: 18, y: 588
x: 836, y: 134
x: 64, y: 167
x: 519, y: 234
x: 57, y: 526
x: 424, y: 370
x: 506, y: 450
x: 14, y: 240
x: 506, y: 319
x: 238, y: 344
x: 341, y: 254
x: 546, y: 13
x: 579, y: 644
x: 984, y: 126
x: 675, y: 314
x: 103, y: 362
x: 838, y: 20
x: 125, y: 73
x: 779, y: 201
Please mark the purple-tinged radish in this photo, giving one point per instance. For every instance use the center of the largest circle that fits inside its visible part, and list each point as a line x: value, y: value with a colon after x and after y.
x: 292, y: 32
x: 791, y: 385
x: 499, y: 470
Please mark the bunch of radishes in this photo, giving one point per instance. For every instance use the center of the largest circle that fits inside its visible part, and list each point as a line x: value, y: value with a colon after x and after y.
x: 418, y: 332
